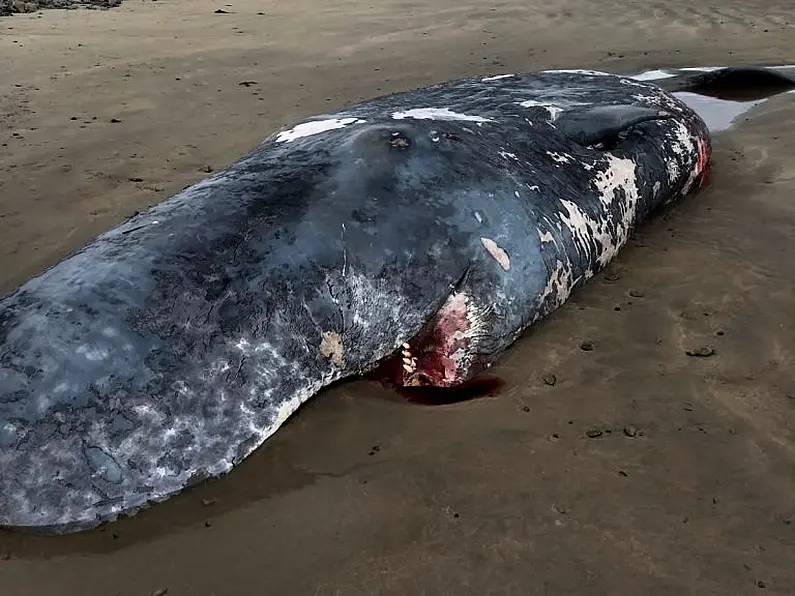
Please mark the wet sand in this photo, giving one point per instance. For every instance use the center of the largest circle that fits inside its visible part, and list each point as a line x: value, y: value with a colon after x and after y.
x: 637, y: 470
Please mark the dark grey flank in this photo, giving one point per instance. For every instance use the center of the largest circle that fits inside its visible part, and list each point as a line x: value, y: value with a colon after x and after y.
x: 169, y: 348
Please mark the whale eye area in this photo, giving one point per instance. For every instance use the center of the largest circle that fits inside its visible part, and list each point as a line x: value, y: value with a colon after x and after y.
x: 380, y: 141
x: 399, y: 141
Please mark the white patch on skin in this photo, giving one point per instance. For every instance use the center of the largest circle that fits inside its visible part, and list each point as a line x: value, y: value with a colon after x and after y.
x: 656, y: 188
x: 652, y: 75
x: 586, y: 231
x: 559, y: 285
x: 683, y: 144
x: 546, y: 237
x: 306, y: 129
x: 497, y: 77
x: 331, y: 347
x: 630, y: 81
x: 498, y: 253
x: 592, y: 237
x: 149, y: 414
x: 620, y: 173
x: 559, y: 157
x: 691, y: 179
x: 507, y: 155
x: 684, y: 147
x: 554, y: 111
x: 437, y: 114
x: 701, y: 68
x: 478, y: 217
x: 92, y: 354
x: 579, y: 71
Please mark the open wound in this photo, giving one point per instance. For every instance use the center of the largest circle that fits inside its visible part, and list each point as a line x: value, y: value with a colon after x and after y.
x: 444, y: 353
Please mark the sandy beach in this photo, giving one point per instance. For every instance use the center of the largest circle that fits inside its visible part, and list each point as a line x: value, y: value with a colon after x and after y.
x: 631, y: 468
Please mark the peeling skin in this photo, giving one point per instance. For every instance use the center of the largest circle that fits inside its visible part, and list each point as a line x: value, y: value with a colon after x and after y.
x: 497, y: 77
x: 552, y: 109
x: 437, y: 114
x: 559, y: 157
x: 314, y: 127
x: 578, y: 71
x: 158, y: 355
x: 331, y: 347
x: 498, y: 253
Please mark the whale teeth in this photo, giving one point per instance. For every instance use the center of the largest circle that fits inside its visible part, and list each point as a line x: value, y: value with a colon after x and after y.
x: 409, y: 361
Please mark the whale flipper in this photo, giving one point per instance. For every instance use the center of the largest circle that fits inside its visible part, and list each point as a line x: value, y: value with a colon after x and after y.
x: 601, y: 124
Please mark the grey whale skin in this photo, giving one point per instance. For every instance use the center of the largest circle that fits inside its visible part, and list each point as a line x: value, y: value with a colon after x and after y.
x: 430, y: 226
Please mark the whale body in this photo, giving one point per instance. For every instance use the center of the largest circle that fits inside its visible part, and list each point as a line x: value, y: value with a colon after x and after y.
x: 430, y: 226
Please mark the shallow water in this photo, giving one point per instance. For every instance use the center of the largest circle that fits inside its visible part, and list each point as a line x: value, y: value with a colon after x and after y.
x: 719, y: 114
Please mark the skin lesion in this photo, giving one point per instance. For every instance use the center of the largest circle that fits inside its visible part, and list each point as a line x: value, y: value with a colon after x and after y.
x: 496, y: 251
x: 704, y: 162
x: 331, y: 347
x: 442, y: 354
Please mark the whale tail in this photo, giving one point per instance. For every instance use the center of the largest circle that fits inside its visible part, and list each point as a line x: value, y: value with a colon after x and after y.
x: 745, y: 83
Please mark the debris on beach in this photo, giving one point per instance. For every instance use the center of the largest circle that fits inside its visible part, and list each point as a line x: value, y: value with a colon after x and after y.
x: 10, y: 7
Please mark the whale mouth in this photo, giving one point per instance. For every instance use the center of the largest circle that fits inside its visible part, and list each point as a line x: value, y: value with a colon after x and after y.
x: 440, y: 355
x: 445, y: 353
